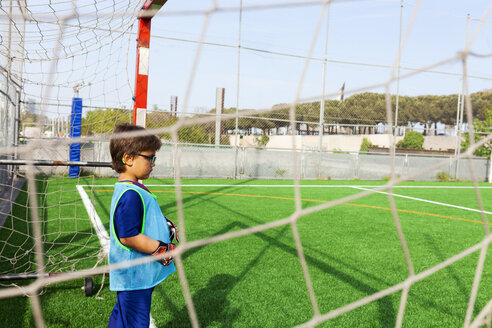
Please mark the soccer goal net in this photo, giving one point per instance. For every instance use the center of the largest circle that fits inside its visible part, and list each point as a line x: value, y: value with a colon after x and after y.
x: 309, y: 150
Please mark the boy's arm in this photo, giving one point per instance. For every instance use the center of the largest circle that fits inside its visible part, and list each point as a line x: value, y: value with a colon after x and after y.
x: 141, y: 243
x: 145, y: 244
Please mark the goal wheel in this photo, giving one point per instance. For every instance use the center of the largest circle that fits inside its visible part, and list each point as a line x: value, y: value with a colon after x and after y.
x: 88, y: 286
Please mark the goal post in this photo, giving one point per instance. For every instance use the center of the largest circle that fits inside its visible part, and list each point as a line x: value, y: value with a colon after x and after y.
x: 148, y: 11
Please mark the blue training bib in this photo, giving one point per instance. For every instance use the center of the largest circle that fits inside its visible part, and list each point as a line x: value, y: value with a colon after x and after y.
x: 154, y: 225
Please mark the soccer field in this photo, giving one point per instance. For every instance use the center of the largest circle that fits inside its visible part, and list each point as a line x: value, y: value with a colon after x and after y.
x: 352, y: 251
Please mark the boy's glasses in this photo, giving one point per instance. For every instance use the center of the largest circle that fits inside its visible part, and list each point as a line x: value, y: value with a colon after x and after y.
x: 150, y: 158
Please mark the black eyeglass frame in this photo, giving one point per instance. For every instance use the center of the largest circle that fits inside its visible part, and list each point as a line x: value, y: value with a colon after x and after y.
x: 150, y: 158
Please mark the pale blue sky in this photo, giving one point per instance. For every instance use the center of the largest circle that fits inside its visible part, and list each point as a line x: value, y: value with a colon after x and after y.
x: 363, y: 32
x: 99, y: 47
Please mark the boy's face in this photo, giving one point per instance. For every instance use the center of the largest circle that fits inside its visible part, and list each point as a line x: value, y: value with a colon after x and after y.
x: 140, y: 166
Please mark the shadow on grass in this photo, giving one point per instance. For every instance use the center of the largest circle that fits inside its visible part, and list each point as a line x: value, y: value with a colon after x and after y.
x: 387, y: 313
x: 211, y: 304
x: 450, y: 269
x: 12, y: 311
x: 386, y: 308
x: 428, y: 302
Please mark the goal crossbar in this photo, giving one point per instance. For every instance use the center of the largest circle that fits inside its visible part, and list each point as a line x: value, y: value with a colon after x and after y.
x: 42, y: 162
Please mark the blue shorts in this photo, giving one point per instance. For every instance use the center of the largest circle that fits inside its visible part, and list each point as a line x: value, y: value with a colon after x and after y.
x: 132, y: 309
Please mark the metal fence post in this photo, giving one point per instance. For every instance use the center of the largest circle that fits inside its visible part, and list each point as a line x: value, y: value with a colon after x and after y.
x: 490, y: 168
x: 357, y: 164
x: 406, y: 165
x: 462, y: 107
x: 219, y: 108
x: 323, y: 87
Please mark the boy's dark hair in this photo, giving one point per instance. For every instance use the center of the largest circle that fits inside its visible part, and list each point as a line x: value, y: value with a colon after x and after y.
x: 131, y: 145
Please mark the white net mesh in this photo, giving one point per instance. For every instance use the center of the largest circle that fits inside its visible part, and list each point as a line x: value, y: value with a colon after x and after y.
x: 373, y: 68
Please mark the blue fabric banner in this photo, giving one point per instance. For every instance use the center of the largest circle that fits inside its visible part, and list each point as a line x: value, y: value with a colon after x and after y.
x: 75, y: 132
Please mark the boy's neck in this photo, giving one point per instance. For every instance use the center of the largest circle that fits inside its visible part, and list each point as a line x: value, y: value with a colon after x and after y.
x: 127, y: 177
x: 138, y: 182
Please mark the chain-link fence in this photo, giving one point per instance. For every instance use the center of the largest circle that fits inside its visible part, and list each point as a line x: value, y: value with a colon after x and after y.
x: 229, y: 162
x: 246, y: 144
x: 9, y: 124
x: 435, y: 117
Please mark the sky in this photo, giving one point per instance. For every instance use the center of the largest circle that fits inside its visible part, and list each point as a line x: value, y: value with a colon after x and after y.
x: 258, y: 54
x: 361, y: 49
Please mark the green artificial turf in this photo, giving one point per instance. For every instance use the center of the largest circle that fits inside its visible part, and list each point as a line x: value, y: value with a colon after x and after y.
x: 352, y: 250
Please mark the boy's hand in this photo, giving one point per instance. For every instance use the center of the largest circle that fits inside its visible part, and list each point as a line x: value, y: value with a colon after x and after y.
x: 173, y: 230
x: 164, y: 248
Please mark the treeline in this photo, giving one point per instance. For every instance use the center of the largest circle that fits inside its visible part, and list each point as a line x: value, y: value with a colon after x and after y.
x: 369, y: 110
x: 362, y: 113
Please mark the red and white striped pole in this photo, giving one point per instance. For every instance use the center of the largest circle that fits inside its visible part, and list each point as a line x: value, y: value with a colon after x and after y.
x: 148, y: 10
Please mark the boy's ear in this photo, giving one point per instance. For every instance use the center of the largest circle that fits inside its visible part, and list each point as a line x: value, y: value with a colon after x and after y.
x: 127, y: 159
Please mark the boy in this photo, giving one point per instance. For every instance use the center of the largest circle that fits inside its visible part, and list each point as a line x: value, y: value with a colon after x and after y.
x: 138, y: 229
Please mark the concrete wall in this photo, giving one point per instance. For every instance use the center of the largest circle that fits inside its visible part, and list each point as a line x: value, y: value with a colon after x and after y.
x: 343, y: 142
x: 439, y: 142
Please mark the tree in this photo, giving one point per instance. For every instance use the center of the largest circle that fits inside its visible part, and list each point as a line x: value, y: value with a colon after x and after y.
x: 482, y: 128
x: 159, y: 119
x: 481, y: 102
x: 364, y: 108
x: 423, y: 111
x: 30, y: 119
x: 263, y: 140
x: 332, y: 114
x: 365, y: 145
x: 192, y: 134
x: 412, y: 140
x: 102, y: 121
x: 449, y: 109
x: 359, y: 110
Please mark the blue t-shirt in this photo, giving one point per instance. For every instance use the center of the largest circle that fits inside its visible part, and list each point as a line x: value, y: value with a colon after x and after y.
x: 128, y: 216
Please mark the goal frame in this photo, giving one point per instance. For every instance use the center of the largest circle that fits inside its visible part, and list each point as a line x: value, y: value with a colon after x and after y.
x: 148, y: 11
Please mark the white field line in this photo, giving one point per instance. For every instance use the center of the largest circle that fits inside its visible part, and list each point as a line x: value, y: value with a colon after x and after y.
x: 102, y: 234
x: 426, y: 201
x: 360, y: 187
x: 301, y: 186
